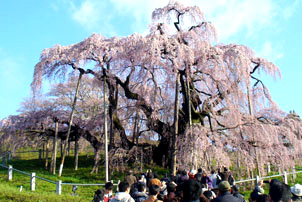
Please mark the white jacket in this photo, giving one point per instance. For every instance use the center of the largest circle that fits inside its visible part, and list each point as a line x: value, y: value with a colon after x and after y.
x: 122, y: 197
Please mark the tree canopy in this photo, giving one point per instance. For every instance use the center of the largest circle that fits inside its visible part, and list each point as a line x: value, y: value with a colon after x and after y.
x: 224, y: 107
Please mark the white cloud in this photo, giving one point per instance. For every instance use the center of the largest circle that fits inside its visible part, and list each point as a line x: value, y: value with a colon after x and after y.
x: 140, y: 10
x: 237, y: 16
x: 92, y: 15
x: 230, y: 17
x: 269, y: 52
x: 87, y: 15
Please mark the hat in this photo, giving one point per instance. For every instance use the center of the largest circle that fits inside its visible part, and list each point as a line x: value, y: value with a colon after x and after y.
x: 296, y: 190
x: 224, y: 186
x: 193, y: 172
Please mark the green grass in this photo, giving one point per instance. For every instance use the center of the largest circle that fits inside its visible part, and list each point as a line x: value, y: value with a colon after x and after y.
x: 29, y: 162
x: 11, y: 193
x: 247, y: 193
x: 46, y: 191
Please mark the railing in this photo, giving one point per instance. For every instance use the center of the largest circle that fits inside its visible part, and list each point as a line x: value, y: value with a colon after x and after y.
x: 284, y: 175
x: 33, y: 177
x: 59, y: 183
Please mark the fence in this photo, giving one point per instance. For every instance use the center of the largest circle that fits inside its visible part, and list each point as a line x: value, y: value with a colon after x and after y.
x: 284, y: 175
x: 59, y: 183
x: 33, y: 177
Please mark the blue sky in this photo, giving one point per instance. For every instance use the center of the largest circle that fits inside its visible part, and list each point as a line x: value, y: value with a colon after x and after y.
x: 272, y: 28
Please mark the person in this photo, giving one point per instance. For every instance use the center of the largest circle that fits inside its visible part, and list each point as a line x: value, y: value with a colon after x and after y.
x: 163, y: 190
x: 130, y: 178
x: 198, y: 174
x: 203, y: 198
x: 140, y: 195
x: 192, y: 173
x: 184, y: 176
x: 171, y: 188
x: 98, y: 196
x: 215, y: 178
x: 123, y: 194
x: 254, y: 196
x: 226, y: 175
x: 142, y: 179
x: 209, y: 194
x: 154, y: 181
x: 108, y: 192
x: 263, y: 198
x: 149, y: 176
x: 191, y: 191
x: 257, y: 193
x: 279, y: 191
x: 235, y: 192
x: 153, y: 193
x: 296, y: 190
x: 206, y: 180
x: 224, y: 193
x: 259, y: 187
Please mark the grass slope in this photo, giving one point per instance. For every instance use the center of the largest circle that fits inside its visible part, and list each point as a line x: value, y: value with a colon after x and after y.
x: 45, y: 191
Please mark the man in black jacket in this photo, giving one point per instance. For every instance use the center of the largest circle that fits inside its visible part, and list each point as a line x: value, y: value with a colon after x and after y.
x: 278, y: 191
x: 235, y: 192
x: 140, y: 195
x: 224, y: 194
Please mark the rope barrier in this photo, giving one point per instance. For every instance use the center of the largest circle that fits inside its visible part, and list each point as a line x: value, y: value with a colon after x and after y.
x: 3, y: 166
x: 20, y: 171
x: 47, y: 180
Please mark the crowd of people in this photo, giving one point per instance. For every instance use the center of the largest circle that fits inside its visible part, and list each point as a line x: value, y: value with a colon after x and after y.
x: 193, y: 186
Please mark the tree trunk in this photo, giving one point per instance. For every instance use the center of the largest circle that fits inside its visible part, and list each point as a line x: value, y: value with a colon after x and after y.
x: 105, y: 133
x: 162, y: 150
x: 70, y: 122
x: 46, y: 153
x: 134, y: 129
x: 190, y: 114
x: 142, y: 157
x: 96, y: 161
x: 76, y: 154
x: 113, y: 101
x: 250, y: 103
x: 68, y: 148
x: 174, y: 140
x: 189, y: 101
x: 61, y: 147
x: 43, y: 150
x: 54, y: 150
x: 136, y: 141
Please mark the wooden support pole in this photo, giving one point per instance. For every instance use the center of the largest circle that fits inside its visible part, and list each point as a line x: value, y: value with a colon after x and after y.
x: 10, y: 173
x: 33, y: 182
x: 257, y: 179
x: 117, y: 189
x: 40, y: 154
x: 9, y: 157
x: 294, y: 174
x: 268, y: 168
x: 285, y: 177
x: 59, y: 187
x: 3, y: 159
